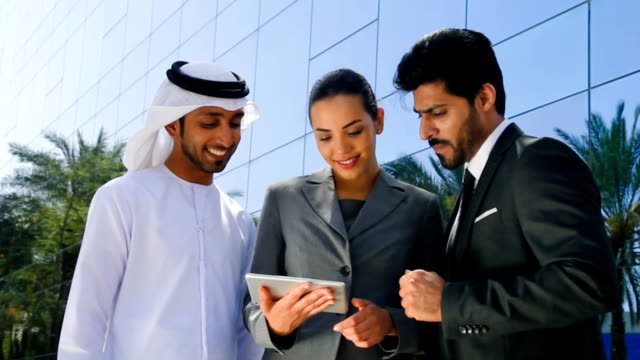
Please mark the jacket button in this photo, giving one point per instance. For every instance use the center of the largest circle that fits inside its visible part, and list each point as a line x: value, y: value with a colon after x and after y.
x: 476, y: 329
x: 345, y: 270
x: 483, y: 329
x: 462, y: 330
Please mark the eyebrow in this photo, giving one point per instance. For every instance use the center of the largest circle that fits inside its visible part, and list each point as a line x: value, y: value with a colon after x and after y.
x: 219, y: 114
x: 428, y: 110
x: 344, y: 127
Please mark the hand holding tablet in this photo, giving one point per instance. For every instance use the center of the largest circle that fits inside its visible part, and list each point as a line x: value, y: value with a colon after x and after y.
x: 279, y: 286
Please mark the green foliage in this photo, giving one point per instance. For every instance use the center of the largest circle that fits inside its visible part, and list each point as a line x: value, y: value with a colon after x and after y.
x: 613, y: 154
x: 42, y: 215
x: 444, y: 183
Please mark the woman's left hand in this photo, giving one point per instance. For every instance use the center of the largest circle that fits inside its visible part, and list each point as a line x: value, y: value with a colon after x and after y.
x: 368, y: 326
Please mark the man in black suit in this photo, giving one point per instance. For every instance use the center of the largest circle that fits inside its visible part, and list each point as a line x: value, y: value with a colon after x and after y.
x: 529, y: 263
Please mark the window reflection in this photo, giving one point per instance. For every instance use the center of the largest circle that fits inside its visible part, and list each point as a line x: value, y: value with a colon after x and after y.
x: 546, y: 63
x: 281, y: 81
x: 280, y: 164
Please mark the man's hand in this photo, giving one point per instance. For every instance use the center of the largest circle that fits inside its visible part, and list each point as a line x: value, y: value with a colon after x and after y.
x: 421, y: 293
x: 368, y: 326
x: 286, y: 314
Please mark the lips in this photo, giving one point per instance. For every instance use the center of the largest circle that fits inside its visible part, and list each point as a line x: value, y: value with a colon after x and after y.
x: 348, y: 163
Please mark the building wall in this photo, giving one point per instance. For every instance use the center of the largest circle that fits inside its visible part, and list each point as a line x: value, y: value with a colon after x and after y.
x: 78, y: 65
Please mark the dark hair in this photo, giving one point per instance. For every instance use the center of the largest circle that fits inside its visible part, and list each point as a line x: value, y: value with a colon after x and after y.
x: 182, y: 125
x: 344, y: 82
x: 463, y: 59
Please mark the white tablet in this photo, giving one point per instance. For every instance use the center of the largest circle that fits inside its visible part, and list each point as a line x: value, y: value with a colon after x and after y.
x: 280, y: 286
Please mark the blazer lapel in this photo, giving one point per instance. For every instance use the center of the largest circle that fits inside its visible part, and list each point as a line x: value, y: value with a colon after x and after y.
x: 383, y: 199
x: 506, y: 139
x: 321, y: 194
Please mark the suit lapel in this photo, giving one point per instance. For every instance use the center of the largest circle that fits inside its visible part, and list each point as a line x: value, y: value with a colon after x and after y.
x: 383, y: 199
x: 506, y: 139
x: 321, y: 195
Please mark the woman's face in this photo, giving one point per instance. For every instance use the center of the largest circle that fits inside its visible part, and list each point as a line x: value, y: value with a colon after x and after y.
x: 346, y: 135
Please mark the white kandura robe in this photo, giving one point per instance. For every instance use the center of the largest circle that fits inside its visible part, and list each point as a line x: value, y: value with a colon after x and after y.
x: 160, y: 273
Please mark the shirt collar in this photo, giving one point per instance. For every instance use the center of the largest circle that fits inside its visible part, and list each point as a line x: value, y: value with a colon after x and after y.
x: 479, y: 160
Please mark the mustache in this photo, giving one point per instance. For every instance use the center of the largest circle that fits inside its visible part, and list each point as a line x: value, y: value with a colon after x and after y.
x: 436, y: 141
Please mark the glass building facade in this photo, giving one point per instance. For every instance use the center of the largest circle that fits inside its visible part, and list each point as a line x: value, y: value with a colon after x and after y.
x: 78, y: 65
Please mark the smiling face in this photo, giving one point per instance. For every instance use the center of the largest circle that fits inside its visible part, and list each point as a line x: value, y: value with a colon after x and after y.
x: 204, y: 141
x: 346, y: 136
x: 450, y: 124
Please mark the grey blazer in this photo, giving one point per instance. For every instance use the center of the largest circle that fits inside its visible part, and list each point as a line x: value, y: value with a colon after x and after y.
x: 302, y: 234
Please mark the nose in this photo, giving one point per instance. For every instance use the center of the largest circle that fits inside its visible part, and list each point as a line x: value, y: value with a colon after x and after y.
x: 427, y: 131
x: 344, y: 146
x: 224, y: 135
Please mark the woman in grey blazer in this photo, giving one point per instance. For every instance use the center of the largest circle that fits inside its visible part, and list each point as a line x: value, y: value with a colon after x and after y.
x: 348, y: 222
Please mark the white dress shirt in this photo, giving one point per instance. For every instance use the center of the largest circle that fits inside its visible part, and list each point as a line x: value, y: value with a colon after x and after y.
x: 475, y: 167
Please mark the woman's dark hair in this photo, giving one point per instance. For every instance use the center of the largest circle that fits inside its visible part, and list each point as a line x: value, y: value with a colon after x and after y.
x: 344, y: 82
x: 463, y: 59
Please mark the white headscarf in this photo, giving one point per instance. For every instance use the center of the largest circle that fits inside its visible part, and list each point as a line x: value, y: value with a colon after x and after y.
x: 152, y: 145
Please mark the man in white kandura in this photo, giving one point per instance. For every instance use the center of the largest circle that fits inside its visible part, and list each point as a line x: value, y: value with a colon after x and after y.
x: 161, y: 269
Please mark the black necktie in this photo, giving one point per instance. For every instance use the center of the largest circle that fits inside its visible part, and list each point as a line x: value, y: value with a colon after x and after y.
x: 467, y: 192
x: 465, y: 199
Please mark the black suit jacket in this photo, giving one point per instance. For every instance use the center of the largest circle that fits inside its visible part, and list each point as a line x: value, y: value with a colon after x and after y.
x: 532, y: 266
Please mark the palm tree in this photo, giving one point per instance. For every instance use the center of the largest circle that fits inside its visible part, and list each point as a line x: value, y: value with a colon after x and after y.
x: 613, y: 154
x: 63, y: 181
x: 444, y: 183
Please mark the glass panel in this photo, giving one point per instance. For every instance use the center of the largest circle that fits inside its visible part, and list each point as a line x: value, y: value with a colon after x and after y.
x: 165, y: 39
x: 63, y: 124
x: 281, y: 81
x: 112, y: 48
x: 91, y: 51
x: 234, y: 183
x: 499, y: 19
x: 402, y: 23
x: 333, y: 20
x: 270, y: 8
x: 162, y: 9
x: 138, y: 23
x: 195, y: 14
x: 130, y: 128
x: 109, y: 87
x: 55, y: 67
x: 604, y: 99
x: 112, y: 12
x: 52, y: 104
x: 401, y: 129
x: 615, y: 39
x: 280, y: 164
x: 134, y: 66
x: 568, y: 115
x: 223, y: 4
x: 131, y: 102
x: 546, y: 63
x: 357, y: 52
x: 88, y: 129
x: 72, y: 62
x: 87, y: 105
x: 200, y: 46
x: 235, y: 23
x: 107, y: 118
x: 156, y: 76
x: 242, y: 60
